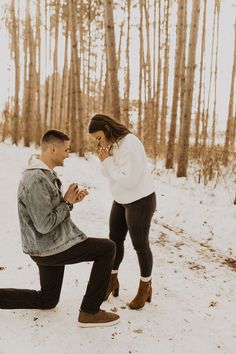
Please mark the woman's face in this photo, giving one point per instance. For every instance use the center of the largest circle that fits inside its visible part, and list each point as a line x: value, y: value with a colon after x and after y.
x: 101, y: 139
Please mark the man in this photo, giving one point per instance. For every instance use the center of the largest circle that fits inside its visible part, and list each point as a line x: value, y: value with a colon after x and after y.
x: 52, y: 240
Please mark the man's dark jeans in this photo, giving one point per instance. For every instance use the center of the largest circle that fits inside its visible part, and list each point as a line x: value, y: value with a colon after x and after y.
x: 51, y: 272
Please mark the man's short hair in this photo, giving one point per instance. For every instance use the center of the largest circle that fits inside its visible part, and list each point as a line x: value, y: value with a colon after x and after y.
x: 54, y: 135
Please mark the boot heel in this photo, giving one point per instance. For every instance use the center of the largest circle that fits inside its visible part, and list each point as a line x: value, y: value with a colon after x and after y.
x: 115, y: 292
x: 149, y: 299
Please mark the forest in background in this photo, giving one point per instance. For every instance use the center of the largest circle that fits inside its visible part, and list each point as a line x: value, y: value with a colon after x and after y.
x: 175, y: 115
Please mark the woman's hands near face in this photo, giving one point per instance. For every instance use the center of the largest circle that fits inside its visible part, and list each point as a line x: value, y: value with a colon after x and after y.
x: 104, y: 152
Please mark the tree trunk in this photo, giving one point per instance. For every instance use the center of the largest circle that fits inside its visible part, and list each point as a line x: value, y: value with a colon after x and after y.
x: 165, y: 80
x: 198, y: 115
x: 100, y: 87
x: 77, y: 135
x: 127, y: 71
x: 183, y: 73
x: 29, y: 93
x: 120, y: 43
x: 38, y: 47
x: 53, y: 115
x: 183, y: 153
x: 217, y: 2
x: 206, y: 121
x: 177, y: 75
x: 148, y: 116
x: 140, y: 69
x: 46, y: 99
x: 230, y: 126
x: 64, y: 77
x: 112, y: 61
x: 15, y: 47
x: 89, y: 60
x: 158, y: 89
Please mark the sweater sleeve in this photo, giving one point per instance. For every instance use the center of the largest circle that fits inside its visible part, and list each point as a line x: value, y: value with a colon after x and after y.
x: 130, y: 167
x: 38, y: 203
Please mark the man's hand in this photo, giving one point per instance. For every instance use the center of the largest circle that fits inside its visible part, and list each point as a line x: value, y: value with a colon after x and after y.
x: 82, y: 194
x: 72, y: 193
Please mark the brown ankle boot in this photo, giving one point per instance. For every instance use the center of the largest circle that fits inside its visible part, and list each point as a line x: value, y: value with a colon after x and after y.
x: 113, y: 286
x: 144, y: 294
x: 100, y: 319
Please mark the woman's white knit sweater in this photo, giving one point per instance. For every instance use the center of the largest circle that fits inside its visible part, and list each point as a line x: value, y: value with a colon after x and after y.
x: 127, y: 171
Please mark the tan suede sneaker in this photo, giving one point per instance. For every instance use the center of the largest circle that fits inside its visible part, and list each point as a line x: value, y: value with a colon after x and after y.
x: 99, y: 319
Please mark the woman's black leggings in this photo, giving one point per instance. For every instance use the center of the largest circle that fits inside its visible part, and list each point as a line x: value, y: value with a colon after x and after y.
x: 136, y: 218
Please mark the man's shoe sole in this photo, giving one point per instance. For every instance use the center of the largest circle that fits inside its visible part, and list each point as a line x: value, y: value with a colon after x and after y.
x: 102, y: 324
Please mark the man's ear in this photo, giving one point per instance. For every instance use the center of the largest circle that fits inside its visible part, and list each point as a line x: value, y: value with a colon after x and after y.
x: 52, y: 148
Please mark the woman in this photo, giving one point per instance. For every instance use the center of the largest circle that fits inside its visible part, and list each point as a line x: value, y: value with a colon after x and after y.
x: 125, y: 165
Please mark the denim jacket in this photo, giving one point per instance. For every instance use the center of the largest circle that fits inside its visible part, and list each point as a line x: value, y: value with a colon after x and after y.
x: 45, y: 223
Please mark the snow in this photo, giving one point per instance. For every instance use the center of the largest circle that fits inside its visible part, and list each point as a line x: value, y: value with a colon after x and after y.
x: 193, y: 308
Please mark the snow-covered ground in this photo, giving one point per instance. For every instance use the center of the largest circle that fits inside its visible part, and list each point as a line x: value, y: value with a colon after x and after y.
x: 193, y: 308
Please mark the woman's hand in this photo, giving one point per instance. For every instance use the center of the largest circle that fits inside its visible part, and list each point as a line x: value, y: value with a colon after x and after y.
x: 104, y: 152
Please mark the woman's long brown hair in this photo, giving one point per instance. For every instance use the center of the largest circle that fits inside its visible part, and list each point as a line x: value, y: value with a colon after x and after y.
x: 112, y: 129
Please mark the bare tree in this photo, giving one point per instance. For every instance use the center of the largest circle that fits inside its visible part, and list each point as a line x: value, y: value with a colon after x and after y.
x: 176, y: 88
x: 38, y: 47
x: 206, y: 121
x: 55, y: 68
x: 198, y: 114
x: 29, y: 79
x: 230, y: 127
x: 165, y: 79
x: 76, y: 135
x: 148, y: 113
x: 16, y: 54
x: 217, y: 4
x: 62, y: 112
x: 185, y: 133
x: 111, y: 56
x: 127, y: 71
x: 158, y: 89
x: 141, y: 63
